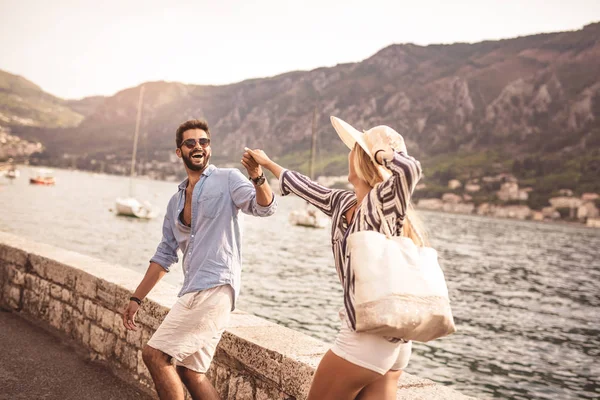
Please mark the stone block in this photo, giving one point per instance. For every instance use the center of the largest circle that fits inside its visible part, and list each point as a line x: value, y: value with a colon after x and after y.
x: 3, y: 278
x: 89, y: 309
x: 127, y: 355
x: 220, y: 378
x: 227, y: 360
x: 77, y: 301
x: 102, y: 341
x: 134, y: 338
x: 55, y: 312
x: 85, y: 285
x: 81, y: 331
x: 44, y: 299
x: 296, y: 377
x: 118, y: 327
x: 74, y: 321
x: 67, y: 319
x: 130, y: 358
x: 105, y: 294
x: 119, y: 348
x: 14, y: 297
x: 241, y: 388
x: 31, y: 302
x: 146, y: 335
x: 15, y: 275
x: 66, y: 296
x: 264, y: 392
x: 105, y: 318
x: 55, y: 291
x: 60, y: 273
x: 151, y: 314
x: 122, y: 296
x: 32, y: 282
x: 147, y: 319
x: 264, y: 362
x: 14, y: 256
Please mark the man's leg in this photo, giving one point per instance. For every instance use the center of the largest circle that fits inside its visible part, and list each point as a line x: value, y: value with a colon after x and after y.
x: 165, y: 377
x: 197, y: 384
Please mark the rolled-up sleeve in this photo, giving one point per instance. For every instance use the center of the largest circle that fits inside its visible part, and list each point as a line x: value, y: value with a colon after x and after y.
x: 166, y: 253
x: 398, y: 189
x: 243, y: 195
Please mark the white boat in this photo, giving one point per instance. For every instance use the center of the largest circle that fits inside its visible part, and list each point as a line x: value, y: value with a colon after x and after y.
x: 13, y: 174
x: 310, y: 216
x: 43, y: 176
x: 130, y: 206
x: 9, y: 170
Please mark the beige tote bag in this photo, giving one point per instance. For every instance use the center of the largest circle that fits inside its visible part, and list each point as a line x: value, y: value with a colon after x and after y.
x: 399, y: 287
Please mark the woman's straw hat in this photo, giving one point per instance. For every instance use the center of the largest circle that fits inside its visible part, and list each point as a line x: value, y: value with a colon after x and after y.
x: 350, y: 136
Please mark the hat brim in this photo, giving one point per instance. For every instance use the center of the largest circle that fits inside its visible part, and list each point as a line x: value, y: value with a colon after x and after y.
x: 350, y: 136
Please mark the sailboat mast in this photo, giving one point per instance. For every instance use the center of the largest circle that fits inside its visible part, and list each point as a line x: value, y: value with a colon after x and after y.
x: 135, y: 138
x: 313, y: 148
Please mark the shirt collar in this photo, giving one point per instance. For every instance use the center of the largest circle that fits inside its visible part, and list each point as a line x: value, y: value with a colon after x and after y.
x: 207, y: 171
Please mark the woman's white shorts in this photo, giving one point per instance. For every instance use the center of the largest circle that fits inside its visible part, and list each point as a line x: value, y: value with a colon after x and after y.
x: 371, y: 351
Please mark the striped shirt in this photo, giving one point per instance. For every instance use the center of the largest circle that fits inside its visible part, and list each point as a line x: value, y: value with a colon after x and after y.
x: 393, y: 196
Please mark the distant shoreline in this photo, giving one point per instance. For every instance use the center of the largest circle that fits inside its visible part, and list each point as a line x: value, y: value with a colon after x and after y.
x: 556, y: 222
x: 145, y: 177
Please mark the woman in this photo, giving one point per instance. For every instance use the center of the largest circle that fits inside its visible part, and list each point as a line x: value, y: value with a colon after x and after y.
x: 359, y: 365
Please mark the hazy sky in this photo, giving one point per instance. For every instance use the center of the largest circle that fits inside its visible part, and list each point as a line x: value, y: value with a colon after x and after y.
x: 74, y: 48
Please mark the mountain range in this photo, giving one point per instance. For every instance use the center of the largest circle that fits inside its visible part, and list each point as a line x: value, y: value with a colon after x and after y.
x: 528, y: 105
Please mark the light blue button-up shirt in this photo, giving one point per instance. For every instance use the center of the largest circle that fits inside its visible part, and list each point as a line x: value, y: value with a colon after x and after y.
x: 212, y: 246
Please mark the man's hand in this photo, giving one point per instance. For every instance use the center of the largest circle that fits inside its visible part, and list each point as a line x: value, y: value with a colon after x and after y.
x: 259, y: 156
x: 129, y: 315
x: 254, y: 170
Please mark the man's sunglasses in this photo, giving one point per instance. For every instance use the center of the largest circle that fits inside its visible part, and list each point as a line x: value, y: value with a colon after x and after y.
x: 191, y: 143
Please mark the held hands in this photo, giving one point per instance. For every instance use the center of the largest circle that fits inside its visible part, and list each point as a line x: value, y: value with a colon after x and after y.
x: 254, y: 159
x: 129, y: 315
x: 253, y: 168
x: 260, y: 157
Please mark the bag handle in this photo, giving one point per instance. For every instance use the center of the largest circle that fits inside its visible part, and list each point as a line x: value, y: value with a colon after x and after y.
x: 386, y: 228
x: 384, y: 223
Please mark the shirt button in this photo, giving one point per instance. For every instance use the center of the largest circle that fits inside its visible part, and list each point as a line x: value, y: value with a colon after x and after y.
x: 192, y: 235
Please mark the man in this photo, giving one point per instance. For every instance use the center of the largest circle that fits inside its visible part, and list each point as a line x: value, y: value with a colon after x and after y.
x: 202, y: 221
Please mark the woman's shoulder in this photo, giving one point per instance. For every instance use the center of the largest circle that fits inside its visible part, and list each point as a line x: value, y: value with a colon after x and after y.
x: 345, y: 200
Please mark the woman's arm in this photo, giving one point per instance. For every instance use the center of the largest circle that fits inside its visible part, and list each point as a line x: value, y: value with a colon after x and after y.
x: 324, y: 198
x: 406, y: 170
x: 264, y: 161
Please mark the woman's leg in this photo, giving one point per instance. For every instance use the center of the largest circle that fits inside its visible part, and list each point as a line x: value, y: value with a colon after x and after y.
x: 384, y: 388
x: 338, y: 379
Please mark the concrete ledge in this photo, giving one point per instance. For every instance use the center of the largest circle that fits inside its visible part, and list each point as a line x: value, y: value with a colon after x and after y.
x: 83, y: 297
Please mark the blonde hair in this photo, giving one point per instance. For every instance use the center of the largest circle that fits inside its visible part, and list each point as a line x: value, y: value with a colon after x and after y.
x: 367, y: 171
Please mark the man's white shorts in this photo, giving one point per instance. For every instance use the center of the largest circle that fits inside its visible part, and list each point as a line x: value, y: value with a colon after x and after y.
x: 192, y: 329
x: 371, y: 351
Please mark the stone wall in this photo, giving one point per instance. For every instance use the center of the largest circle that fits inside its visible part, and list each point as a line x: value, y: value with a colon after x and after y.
x: 82, y: 297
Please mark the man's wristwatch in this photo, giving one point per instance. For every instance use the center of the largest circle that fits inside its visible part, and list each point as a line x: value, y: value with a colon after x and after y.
x: 259, y: 180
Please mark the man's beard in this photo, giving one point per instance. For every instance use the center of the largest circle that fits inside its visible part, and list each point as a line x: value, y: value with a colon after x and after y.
x: 190, y: 163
